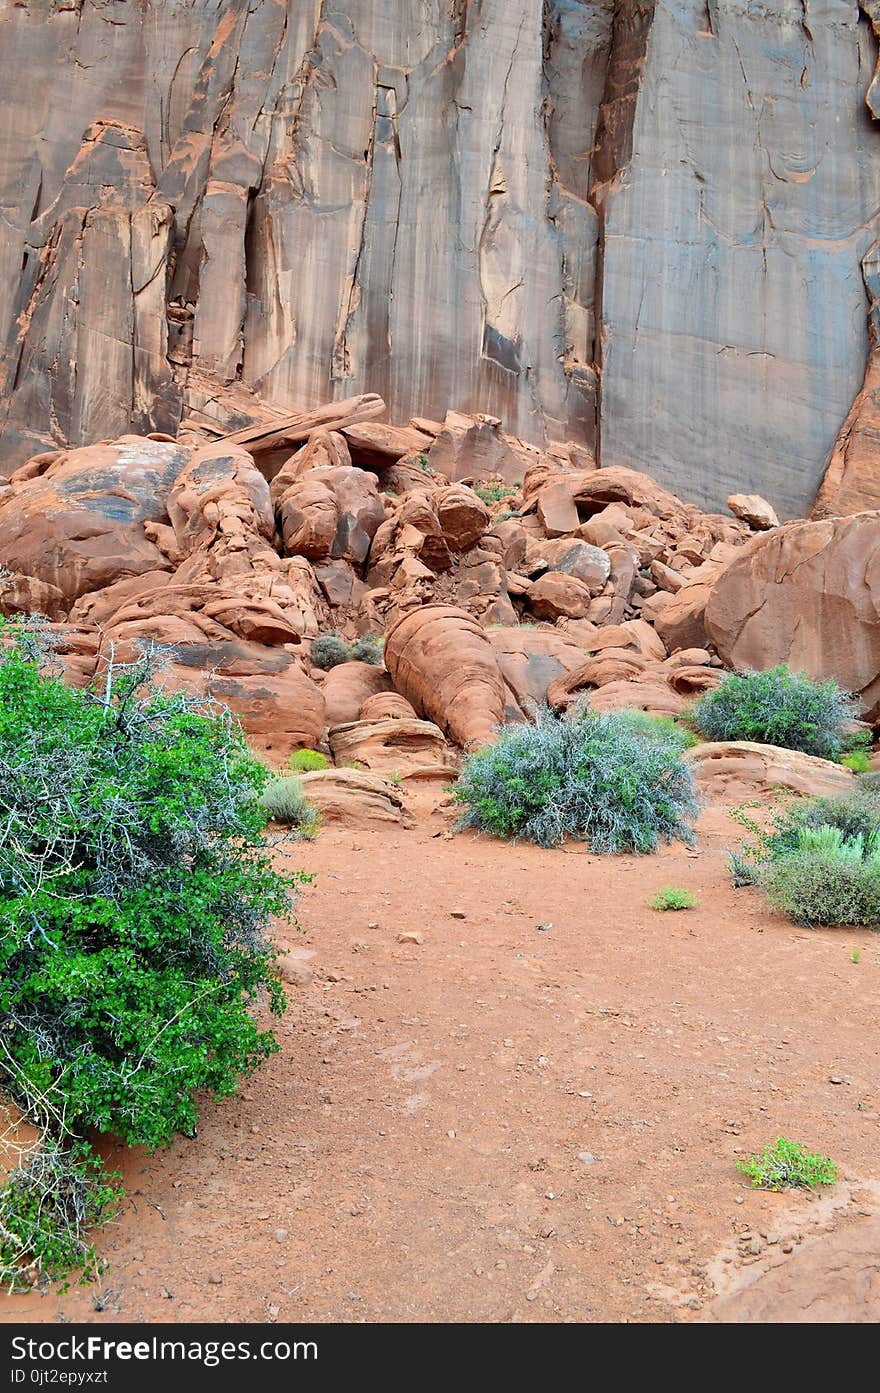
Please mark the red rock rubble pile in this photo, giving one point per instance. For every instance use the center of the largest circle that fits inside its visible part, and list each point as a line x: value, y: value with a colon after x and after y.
x: 502, y: 576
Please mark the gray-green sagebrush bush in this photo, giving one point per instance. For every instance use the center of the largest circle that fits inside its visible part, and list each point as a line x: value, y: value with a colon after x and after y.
x: 135, y: 893
x: 594, y: 778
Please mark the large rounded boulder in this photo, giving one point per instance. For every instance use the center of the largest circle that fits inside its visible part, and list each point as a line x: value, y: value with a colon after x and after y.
x: 806, y: 594
x: 444, y: 664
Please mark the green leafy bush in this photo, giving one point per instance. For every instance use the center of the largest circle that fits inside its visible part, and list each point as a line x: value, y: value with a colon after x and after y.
x: 593, y: 779
x: 494, y: 493
x: 777, y: 707
x: 826, y: 886
x: 48, y: 1206
x: 135, y: 890
x: 788, y: 1166
x: 673, y: 897
x: 663, y: 729
x: 858, y: 761
x: 284, y: 800
x: 306, y: 761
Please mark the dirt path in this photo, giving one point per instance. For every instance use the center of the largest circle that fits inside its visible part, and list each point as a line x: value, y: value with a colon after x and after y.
x: 533, y: 1114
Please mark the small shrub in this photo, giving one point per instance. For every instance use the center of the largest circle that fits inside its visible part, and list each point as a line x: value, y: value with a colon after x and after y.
x: 777, y: 707
x: 493, y: 493
x: 307, y: 761
x: 369, y: 649
x: 826, y: 886
x: 506, y: 516
x: 857, y: 814
x: 329, y: 650
x: 48, y: 1206
x: 284, y: 800
x: 592, y: 779
x: 662, y: 729
x: 788, y: 1166
x: 819, y: 862
x: 673, y: 897
x: 858, y: 761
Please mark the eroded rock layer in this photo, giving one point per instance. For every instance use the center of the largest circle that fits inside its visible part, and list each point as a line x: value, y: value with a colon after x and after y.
x: 640, y: 224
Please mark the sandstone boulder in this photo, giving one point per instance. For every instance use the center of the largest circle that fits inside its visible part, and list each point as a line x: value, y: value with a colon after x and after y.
x: 444, y: 664
x: 393, y: 746
x: 386, y: 706
x: 806, y: 594
x: 463, y: 517
x: 79, y: 525
x: 753, y: 510
x: 530, y: 659
x: 353, y: 797
x: 731, y: 771
x: 347, y: 686
x: 220, y: 495
x: 555, y: 595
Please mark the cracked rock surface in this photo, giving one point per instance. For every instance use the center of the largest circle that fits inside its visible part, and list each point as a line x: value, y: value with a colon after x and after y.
x: 646, y: 226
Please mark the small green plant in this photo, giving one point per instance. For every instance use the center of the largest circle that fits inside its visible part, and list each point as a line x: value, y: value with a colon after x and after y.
x: 307, y: 761
x: 592, y: 778
x: 857, y: 761
x: 673, y: 897
x: 369, y: 648
x: 284, y: 800
x: 777, y: 707
x: 662, y: 729
x: 422, y: 462
x: 48, y: 1207
x: 506, y: 516
x: 855, y: 956
x: 494, y: 493
x: 788, y: 1166
x: 329, y: 650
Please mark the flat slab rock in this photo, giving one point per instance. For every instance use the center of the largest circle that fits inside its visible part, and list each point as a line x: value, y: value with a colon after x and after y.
x: 353, y: 797
x: 730, y: 770
x: 832, y: 1278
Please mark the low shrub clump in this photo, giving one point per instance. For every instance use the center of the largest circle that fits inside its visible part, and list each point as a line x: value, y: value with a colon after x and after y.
x: 777, y: 707
x: 135, y: 891
x: 494, y: 493
x: 858, y: 761
x: 284, y: 800
x: 788, y: 1166
x: 664, y: 729
x: 593, y: 779
x: 307, y: 761
x: 48, y: 1208
x: 329, y: 650
x: 673, y: 897
x: 819, y: 862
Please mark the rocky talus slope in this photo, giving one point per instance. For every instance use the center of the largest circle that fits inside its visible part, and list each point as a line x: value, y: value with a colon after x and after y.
x: 234, y: 554
x: 649, y: 225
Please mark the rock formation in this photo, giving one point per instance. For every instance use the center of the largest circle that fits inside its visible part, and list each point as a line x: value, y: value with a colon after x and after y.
x: 806, y: 594
x: 642, y: 225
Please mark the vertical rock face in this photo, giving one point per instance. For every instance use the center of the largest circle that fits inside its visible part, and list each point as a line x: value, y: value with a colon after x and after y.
x: 638, y: 223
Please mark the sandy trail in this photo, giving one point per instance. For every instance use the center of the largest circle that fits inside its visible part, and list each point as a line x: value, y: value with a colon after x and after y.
x: 533, y: 1114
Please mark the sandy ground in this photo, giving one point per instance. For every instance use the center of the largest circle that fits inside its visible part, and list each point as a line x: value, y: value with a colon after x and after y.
x: 533, y: 1114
